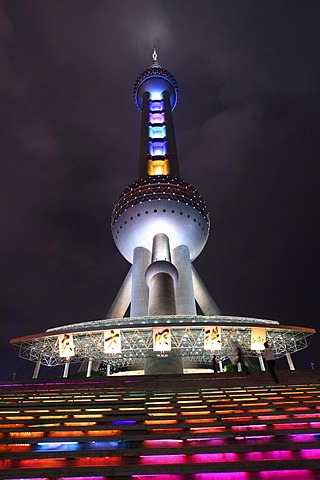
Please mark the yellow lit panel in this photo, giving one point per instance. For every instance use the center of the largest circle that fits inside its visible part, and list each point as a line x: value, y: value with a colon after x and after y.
x: 52, y: 417
x: 97, y: 410
x: 65, y: 410
x: 26, y: 434
x: 96, y: 415
x: 79, y: 424
x: 37, y: 411
x: 158, y: 167
x: 106, y: 433
x: 203, y: 412
x: 25, y: 417
x: 164, y: 414
x: 63, y: 433
x: 163, y: 422
x: 134, y: 409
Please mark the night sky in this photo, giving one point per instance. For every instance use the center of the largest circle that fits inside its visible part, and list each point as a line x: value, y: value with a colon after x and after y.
x: 247, y: 128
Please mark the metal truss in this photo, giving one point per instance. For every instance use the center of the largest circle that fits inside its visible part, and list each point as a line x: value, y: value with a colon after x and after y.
x: 137, y: 341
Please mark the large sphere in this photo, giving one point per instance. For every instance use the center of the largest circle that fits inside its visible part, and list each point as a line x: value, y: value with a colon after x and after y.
x: 155, y: 80
x: 160, y: 205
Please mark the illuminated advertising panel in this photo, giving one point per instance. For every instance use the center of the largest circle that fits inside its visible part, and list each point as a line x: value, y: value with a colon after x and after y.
x: 258, y: 338
x: 161, y: 339
x: 66, y: 345
x: 112, y: 341
x: 212, y: 338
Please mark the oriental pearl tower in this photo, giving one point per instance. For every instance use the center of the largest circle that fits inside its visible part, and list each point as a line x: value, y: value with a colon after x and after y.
x: 160, y: 222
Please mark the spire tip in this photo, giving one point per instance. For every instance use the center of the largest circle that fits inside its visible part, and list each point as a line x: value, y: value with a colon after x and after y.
x: 155, y: 56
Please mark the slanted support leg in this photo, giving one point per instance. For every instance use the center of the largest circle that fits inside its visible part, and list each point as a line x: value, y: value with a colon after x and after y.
x: 89, y: 368
x: 66, y: 368
x: 36, y: 369
x: 261, y: 362
x: 290, y: 362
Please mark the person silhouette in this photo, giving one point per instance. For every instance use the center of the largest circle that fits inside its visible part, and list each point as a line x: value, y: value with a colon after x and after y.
x: 271, y: 361
x: 214, y: 364
x: 241, y: 360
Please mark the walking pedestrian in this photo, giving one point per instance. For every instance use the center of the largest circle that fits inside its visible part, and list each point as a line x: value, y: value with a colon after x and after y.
x: 214, y: 364
x: 240, y: 360
x: 271, y: 361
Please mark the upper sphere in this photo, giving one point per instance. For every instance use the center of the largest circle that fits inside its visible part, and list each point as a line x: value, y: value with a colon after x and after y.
x: 155, y: 80
x: 160, y: 204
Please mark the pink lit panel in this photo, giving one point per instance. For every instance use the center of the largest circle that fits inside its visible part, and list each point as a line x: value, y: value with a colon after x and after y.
x: 162, y: 443
x: 98, y: 461
x: 303, y: 437
x: 313, y: 454
x: 196, y: 476
x: 156, y: 118
x: 165, y: 476
x: 215, y: 457
x: 222, y: 476
x: 246, y: 428
x: 163, y: 459
x: 274, y: 455
x: 288, y: 426
x: 287, y: 475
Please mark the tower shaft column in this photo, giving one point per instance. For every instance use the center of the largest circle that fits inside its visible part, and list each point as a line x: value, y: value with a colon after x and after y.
x: 185, y: 301
x: 161, y: 277
x: 162, y: 299
x: 144, y: 137
x: 203, y: 298
x: 139, y: 289
x: 171, y: 140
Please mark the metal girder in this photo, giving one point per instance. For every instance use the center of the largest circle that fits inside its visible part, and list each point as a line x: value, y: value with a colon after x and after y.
x: 137, y: 342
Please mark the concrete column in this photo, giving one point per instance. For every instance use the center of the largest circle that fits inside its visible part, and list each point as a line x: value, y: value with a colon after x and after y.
x: 161, y: 295
x: 171, y: 142
x: 36, y: 369
x: 161, y: 277
x: 220, y: 366
x: 290, y: 362
x: 170, y: 364
x: 108, y: 369
x: 144, y: 137
x: 185, y: 301
x: 160, y: 248
x: 89, y: 367
x: 203, y: 298
x: 139, y: 289
x: 261, y: 363
x: 122, y: 300
x: 66, y: 368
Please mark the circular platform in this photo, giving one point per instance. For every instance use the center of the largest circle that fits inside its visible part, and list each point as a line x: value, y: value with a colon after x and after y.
x: 187, y: 339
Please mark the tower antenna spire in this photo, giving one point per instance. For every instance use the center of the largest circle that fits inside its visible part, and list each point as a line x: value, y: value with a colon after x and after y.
x: 155, y: 56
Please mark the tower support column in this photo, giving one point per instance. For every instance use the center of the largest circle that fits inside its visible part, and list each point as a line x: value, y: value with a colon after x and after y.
x: 290, y: 362
x: 261, y: 363
x: 89, y: 368
x: 185, y: 301
x: 122, y: 300
x: 66, y: 368
x: 172, y: 149
x: 144, y: 152
x: 139, y: 289
x: 36, y: 369
x: 205, y: 301
x: 161, y: 276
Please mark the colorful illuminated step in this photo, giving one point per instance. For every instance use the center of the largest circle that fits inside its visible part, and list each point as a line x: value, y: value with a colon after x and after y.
x: 144, y: 429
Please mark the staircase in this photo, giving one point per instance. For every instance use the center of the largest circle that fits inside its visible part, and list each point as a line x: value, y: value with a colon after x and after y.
x: 200, y: 427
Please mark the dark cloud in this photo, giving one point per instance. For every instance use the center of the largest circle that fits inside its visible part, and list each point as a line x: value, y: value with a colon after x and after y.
x: 247, y: 127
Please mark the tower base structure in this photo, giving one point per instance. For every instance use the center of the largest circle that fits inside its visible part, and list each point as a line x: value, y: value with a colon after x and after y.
x: 187, y: 334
